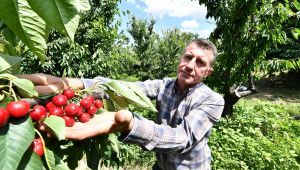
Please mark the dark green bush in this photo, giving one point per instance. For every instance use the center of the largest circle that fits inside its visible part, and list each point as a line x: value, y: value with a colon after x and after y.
x: 259, y: 135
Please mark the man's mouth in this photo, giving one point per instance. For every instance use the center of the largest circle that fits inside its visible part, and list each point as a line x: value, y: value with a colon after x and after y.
x: 186, y: 74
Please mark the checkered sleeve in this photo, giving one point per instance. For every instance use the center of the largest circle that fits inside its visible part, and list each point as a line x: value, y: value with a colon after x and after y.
x: 179, y: 139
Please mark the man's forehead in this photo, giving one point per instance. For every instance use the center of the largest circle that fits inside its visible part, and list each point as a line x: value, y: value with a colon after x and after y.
x: 195, y: 49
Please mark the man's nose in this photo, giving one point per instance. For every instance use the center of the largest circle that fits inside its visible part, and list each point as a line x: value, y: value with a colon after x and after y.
x: 190, y: 64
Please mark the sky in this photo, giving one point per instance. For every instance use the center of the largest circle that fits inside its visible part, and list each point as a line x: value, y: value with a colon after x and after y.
x: 187, y: 15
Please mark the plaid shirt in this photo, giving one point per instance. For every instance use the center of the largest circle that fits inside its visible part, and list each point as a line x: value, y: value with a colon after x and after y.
x: 180, y: 135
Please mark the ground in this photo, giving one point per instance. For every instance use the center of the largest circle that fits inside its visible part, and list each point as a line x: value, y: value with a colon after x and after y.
x: 274, y: 90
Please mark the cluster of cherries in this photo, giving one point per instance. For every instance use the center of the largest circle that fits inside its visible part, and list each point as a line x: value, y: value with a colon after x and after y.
x: 61, y: 105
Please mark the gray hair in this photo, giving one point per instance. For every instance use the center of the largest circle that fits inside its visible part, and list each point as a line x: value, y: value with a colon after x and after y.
x: 206, y: 44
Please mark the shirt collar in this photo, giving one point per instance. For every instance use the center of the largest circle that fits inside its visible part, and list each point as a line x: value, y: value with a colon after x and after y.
x: 191, y: 89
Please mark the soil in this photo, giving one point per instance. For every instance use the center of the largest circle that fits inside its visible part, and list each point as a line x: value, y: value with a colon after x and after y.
x: 274, y: 90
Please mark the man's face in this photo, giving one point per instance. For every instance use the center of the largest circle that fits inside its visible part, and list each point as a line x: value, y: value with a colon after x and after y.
x: 194, y: 65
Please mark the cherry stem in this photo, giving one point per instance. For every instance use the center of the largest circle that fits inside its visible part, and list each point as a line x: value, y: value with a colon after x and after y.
x: 11, y: 90
x: 44, y: 147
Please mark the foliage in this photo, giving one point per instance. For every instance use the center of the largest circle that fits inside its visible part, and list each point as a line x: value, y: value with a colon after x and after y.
x: 245, y: 31
x: 270, y: 67
x: 145, y: 39
x: 30, y: 21
x: 92, y: 51
x: 260, y: 135
x: 285, y: 57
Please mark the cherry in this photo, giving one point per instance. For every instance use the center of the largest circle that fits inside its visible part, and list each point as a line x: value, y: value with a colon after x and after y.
x: 18, y: 109
x: 85, y: 103
x: 69, y: 93
x: 60, y: 100
x: 57, y: 111
x: 79, y: 111
x: 38, y: 112
x: 71, y: 109
x: 98, y: 103
x: 90, y: 98
x: 84, y: 117
x: 92, y: 110
x: 4, y: 116
x: 69, y: 121
x: 49, y: 106
x: 37, y: 146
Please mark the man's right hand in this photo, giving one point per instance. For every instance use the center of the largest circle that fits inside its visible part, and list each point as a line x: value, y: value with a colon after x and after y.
x: 100, y: 124
x: 47, y: 84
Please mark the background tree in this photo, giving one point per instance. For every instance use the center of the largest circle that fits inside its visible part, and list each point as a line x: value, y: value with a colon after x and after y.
x: 92, y: 52
x: 31, y: 21
x: 245, y: 31
x: 144, y: 46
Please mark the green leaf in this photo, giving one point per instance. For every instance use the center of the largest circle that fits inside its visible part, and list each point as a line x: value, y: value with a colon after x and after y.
x: 10, y: 42
x: 5, y: 101
x: 30, y: 161
x: 297, y: 5
x: 15, y: 139
x: 126, y: 92
x: 120, y: 101
x: 296, y: 33
x: 92, y: 155
x: 54, y: 161
x: 57, y: 125
x: 7, y: 76
x: 62, y: 15
x: 75, y: 154
x: 114, y: 142
x: 26, y: 24
x: 25, y: 87
x: 83, y: 5
x: 140, y: 93
x: 10, y: 36
x: 108, y: 105
x: 9, y: 64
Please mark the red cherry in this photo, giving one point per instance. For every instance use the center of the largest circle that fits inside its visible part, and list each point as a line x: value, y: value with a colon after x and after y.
x: 92, y: 110
x: 98, y: 103
x: 85, y: 103
x: 49, y: 106
x: 79, y: 111
x: 69, y: 121
x: 57, y: 111
x: 84, y: 117
x: 71, y: 109
x: 69, y: 93
x: 18, y: 109
x: 4, y: 116
x: 38, y: 112
x: 37, y: 146
x: 60, y: 100
x: 90, y: 98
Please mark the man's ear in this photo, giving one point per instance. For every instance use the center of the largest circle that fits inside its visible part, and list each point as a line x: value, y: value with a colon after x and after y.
x: 209, y: 71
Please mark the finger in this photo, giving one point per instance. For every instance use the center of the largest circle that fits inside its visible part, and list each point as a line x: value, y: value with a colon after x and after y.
x: 38, y: 78
x: 47, y: 89
x: 123, y: 116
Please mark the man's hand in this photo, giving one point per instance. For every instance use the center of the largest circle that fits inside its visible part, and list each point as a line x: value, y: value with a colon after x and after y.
x: 104, y: 123
x: 47, y: 84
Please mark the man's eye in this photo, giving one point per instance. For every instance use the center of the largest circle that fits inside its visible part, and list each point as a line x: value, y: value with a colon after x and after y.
x: 188, y: 57
x: 200, y: 62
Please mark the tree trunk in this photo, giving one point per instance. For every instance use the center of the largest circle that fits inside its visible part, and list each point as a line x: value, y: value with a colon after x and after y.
x: 232, y: 97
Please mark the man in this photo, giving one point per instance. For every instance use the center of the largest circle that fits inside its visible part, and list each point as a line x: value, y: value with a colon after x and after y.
x: 187, y: 111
